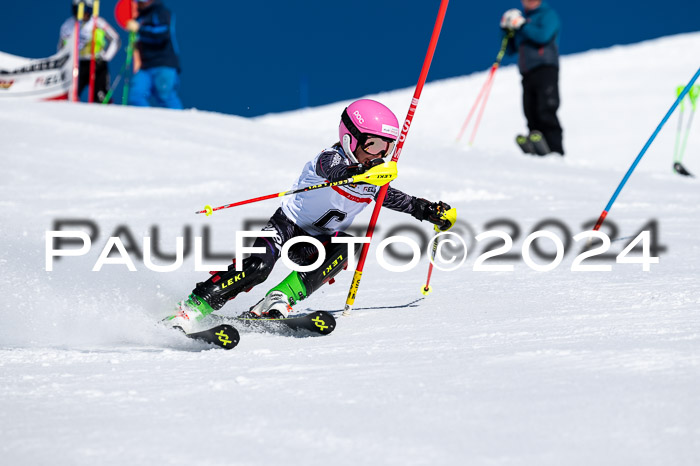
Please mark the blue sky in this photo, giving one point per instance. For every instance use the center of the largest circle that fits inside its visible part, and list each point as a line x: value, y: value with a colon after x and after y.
x: 255, y: 57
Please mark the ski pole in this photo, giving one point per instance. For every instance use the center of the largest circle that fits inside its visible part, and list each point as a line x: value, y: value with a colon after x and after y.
x: 379, y: 174
x: 481, y: 112
x: 504, y: 44
x: 354, y: 287
x: 473, y: 109
x: 95, y: 14
x: 129, y: 58
x: 426, y: 288
x: 679, y: 130
x: 114, y: 85
x: 487, y: 85
x: 124, y: 71
x: 123, y: 13
x: 76, y: 51
x: 604, y: 214
x: 693, y: 96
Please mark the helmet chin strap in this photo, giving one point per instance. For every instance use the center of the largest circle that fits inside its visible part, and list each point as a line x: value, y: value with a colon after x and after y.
x: 346, y: 147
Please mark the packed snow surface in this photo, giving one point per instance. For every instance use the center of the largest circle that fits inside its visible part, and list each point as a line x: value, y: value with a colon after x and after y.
x: 492, y: 368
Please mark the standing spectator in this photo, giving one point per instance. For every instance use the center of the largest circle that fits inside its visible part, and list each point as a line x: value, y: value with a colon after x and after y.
x: 158, y: 78
x: 107, y: 43
x: 535, y: 39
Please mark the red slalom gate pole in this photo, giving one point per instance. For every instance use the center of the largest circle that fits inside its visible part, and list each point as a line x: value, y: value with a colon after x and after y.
x: 95, y: 15
x: 355, y: 286
x: 76, y: 51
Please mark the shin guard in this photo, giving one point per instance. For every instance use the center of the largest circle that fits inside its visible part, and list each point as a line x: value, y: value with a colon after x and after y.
x: 300, y: 285
x: 224, y: 286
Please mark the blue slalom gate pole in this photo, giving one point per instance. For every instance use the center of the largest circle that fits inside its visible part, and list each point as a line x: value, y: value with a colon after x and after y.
x: 681, y: 96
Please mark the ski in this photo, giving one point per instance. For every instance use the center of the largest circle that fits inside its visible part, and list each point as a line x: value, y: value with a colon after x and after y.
x: 224, y: 336
x: 319, y: 323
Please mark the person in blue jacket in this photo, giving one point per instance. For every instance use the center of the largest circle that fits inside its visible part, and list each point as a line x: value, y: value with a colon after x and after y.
x: 536, y: 40
x: 158, y: 80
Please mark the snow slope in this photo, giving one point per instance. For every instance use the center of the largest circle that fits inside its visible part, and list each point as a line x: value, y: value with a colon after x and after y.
x: 493, y: 368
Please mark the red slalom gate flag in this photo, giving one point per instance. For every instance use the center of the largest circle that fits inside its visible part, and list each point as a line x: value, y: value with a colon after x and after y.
x: 123, y: 12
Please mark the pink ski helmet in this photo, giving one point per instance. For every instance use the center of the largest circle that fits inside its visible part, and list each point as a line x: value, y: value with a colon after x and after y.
x: 364, y: 118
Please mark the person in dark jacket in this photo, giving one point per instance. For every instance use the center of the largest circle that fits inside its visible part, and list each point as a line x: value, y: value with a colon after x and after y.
x: 535, y: 39
x: 158, y: 79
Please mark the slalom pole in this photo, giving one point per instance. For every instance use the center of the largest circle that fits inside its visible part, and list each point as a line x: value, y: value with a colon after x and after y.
x: 76, y: 51
x: 487, y: 85
x: 95, y: 14
x: 376, y: 177
x: 354, y: 287
x: 682, y: 95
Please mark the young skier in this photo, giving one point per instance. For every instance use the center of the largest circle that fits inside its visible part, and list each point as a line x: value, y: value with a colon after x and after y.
x: 368, y: 132
x: 107, y: 44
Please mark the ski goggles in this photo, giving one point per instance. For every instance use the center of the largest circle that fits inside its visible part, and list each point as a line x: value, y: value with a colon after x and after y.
x: 378, y: 146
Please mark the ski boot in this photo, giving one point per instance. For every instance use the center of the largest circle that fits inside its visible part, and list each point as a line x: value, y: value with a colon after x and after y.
x: 188, y: 313
x: 533, y: 144
x: 272, y: 306
x: 539, y: 143
x: 278, y: 302
x: 680, y: 169
x: 297, y: 286
x: 525, y: 145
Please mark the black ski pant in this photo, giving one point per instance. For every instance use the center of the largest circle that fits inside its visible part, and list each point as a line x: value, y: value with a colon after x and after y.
x: 540, y: 104
x: 226, y: 285
x: 101, y: 79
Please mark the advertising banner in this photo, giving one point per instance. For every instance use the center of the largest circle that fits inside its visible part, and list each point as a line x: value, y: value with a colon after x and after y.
x: 36, y: 78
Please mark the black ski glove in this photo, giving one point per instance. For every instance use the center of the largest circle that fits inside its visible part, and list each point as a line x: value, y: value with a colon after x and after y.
x: 359, y: 168
x: 434, y: 212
